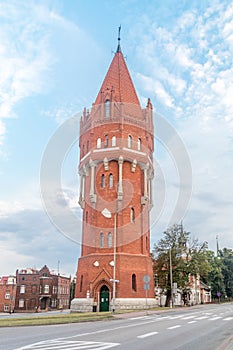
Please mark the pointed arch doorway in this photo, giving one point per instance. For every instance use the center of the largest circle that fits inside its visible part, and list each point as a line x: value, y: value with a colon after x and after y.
x: 104, y: 298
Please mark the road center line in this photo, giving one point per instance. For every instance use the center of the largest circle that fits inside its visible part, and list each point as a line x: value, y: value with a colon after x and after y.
x: 146, y: 335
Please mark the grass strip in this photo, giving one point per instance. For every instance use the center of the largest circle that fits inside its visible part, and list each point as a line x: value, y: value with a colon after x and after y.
x: 55, y: 319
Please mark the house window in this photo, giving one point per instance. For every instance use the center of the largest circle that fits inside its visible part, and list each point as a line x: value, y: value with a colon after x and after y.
x: 7, y: 295
x: 132, y: 215
x: 101, y: 240
x: 54, y: 303
x: 134, y: 284
x: 46, y: 289
x: 114, y: 141
x: 129, y: 141
x: 6, y: 308
x: 21, y: 302
x: 86, y: 217
x: 44, y: 274
x: 109, y: 240
x: 139, y: 144
x: 87, y: 146
x: 102, y: 181
x: 22, y: 289
x: 107, y: 108
x: 83, y: 151
x: 106, y: 141
x: 98, y: 143
x: 81, y: 283
x: 110, y: 181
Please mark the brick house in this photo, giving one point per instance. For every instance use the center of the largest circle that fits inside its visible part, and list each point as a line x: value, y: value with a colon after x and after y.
x: 41, y: 290
x: 116, y: 168
x: 7, y: 293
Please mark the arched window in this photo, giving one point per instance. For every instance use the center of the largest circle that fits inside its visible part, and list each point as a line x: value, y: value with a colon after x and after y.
x: 129, y: 141
x: 134, y: 282
x: 98, y: 143
x: 106, y: 141
x: 81, y: 283
x: 109, y: 240
x: 102, y: 181
x: 110, y: 181
x: 139, y: 144
x: 101, y: 240
x: 132, y: 215
x: 107, y: 108
x: 114, y: 141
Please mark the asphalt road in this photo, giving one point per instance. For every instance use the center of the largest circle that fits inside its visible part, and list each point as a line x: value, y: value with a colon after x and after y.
x: 209, y: 327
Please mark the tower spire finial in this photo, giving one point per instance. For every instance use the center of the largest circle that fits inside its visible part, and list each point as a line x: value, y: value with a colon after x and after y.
x: 119, y: 39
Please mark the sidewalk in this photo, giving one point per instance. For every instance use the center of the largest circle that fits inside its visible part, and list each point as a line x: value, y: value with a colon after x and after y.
x: 158, y: 311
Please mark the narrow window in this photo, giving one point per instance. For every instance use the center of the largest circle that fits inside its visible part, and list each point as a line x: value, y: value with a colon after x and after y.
x: 102, y: 181
x: 129, y: 141
x: 46, y: 289
x: 86, y: 217
x: 21, y: 302
x: 114, y: 141
x: 98, y: 143
x: 87, y: 146
x: 101, y: 240
x: 109, y: 240
x: 107, y: 108
x: 132, y: 215
x: 106, y: 141
x: 81, y: 284
x: 22, y: 289
x: 139, y: 144
x: 110, y: 181
x: 134, y: 284
x: 83, y: 151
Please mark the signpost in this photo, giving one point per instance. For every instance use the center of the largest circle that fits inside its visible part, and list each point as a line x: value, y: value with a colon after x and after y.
x: 146, y: 280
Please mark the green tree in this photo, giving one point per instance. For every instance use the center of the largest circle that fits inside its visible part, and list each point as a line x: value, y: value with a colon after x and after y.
x: 215, y: 278
x: 187, y: 257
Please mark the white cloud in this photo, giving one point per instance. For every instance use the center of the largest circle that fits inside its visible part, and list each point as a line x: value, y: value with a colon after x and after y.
x: 198, y: 55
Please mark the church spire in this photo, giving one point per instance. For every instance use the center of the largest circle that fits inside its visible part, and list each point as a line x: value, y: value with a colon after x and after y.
x: 117, y: 85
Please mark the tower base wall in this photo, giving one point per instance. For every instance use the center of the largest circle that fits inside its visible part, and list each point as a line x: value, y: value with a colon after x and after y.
x: 88, y: 304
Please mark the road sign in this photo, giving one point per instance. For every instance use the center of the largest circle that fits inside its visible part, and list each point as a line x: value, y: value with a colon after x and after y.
x: 146, y: 286
x: 146, y: 279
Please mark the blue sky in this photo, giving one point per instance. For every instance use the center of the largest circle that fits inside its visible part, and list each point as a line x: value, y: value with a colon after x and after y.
x: 53, y: 58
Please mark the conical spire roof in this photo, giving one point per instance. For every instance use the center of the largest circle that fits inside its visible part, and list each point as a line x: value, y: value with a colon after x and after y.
x: 117, y: 85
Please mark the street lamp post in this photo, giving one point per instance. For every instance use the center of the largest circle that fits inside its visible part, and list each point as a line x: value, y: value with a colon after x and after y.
x: 107, y: 214
x: 171, y: 278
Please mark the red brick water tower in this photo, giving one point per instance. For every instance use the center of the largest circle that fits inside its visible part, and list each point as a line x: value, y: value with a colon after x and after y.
x: 116, y: 170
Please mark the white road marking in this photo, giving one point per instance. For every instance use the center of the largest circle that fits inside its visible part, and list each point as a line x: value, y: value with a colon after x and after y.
x: 174, y: 327
x: 192, y: 322
x: 69, y: 345
x: 175, y: 317
x: 138, y: 318
x: 201, y: 317
x: 188, y: 317
x: 228, y: 319
x: 146, y: 335
x: 215, y: 318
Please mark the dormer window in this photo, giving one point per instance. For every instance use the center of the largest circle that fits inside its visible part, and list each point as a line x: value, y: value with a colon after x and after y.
x: 107, y: 108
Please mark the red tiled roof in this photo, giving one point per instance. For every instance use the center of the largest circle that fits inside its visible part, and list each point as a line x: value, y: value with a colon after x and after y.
x: 117, y: 85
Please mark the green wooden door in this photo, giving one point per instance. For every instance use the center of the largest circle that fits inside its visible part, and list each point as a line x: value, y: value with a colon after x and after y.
x: 104, y: 299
